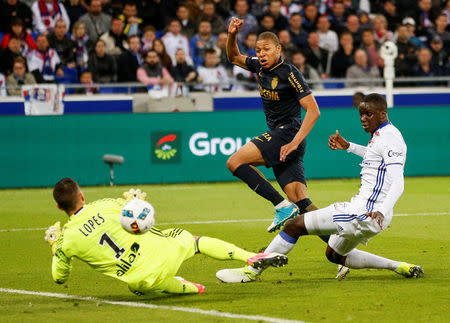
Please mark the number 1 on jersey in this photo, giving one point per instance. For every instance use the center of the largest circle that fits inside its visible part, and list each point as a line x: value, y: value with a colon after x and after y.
x: 105, y: 238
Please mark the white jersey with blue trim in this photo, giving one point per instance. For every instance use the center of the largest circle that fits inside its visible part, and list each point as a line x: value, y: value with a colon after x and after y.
x: 386, y: 147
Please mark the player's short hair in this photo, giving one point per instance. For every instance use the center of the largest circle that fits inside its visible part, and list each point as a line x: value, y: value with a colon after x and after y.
x: 268, y: 35
x: 376, y: 100
x: 65, y: 194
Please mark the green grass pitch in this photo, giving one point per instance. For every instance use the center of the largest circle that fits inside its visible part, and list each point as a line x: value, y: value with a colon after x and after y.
x: 304, y: 290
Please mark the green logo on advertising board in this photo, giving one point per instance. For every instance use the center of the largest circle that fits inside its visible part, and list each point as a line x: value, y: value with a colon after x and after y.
x: 166, y: 147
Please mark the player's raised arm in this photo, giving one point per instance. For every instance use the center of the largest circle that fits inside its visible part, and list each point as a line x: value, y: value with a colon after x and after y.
x: 233, y: 53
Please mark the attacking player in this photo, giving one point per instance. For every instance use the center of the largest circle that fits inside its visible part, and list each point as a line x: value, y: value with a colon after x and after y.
x: 283, y: 92
x: 367, y: 214
x: 147, y: 262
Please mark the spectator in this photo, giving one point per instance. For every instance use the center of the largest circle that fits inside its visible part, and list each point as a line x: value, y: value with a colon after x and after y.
x: 299, y: 60
x: 250, y: 44
x: 152, y: 72
x: 129, y: 61
x: 19, y: 77
x: 287, y: 47
x: 411, y: 25
x: 298, y: 35
x: 45, y: 15
x: 148, y: 36
x: 258, y: 7
x: 201, y: 42
x: 165, y: 59
x: 439, y: 57
x: 311, y: 15
x: 354, y: 28
x: 188, y: 27
x: 44, y: 62
x: 75, y: 9
x: 8, y: 55
x: 391, y: 15
x: 406, y: 56
x: 361, y: 70
x: 344, y: 57
x: 130, y: 18
x: 221, y: 50
x: 96, y: 22
x: 440, y: 30
x: 289, y: 7
x: 182, y: 72
x: 267, y: 23
x: 247, y: 78
x: 195, y: 8
x: 327, y: 38
x: 281, y: 22
x: 173, y: 40
x: 115, y: 40
x: 2, y: 85
x: 364, y: 21
x: 102, y: 66
x: 316, y: 56
x: 423, y: 15
x: 26, y: 41
x: 250, y: 22
x: 86, y: 79
x: 62, y: 44
x: 370, y: 46
x: 213, y: 76
x: 357, y: 98
x: 337, y: 16
x: 10, y: 9
x: 209, y: 14
x: 381, y: 33
x: 446, y: 11
x: 424, y: 67
x: 83, y: 45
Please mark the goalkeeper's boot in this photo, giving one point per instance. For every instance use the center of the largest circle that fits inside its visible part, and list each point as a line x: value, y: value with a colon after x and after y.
x: 263, y: 260
x: 237, y: 275
x: 409, y: 270
x: 342, y: 272
x: 282, y: 215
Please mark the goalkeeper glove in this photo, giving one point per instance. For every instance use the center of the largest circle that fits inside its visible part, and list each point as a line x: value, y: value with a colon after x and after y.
x: 134, y: 194
x: 52, y: 235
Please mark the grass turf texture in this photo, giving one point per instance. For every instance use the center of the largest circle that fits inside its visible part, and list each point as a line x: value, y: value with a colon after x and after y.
x: 303, y: 290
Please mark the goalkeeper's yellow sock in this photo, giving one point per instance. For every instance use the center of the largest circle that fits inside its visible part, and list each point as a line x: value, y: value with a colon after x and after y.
x: 222, y: 250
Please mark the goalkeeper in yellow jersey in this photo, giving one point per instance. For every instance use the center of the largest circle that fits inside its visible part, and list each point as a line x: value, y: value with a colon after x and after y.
x: 147, y: 262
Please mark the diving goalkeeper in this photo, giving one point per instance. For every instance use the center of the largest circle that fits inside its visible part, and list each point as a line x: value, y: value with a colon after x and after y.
x: 147, y: 262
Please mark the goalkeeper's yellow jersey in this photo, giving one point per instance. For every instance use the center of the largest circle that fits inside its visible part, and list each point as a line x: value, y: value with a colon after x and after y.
x: 94, y: 235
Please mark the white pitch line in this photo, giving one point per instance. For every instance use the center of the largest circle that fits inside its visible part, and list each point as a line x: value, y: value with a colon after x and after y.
x: 226, y: 221
x: 153, y: 306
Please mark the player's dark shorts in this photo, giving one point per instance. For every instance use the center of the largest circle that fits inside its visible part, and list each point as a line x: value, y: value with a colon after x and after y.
x: 270, y: 143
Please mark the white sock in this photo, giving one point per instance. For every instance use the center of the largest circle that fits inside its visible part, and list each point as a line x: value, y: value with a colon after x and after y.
x: 282, y: 243
x: 283, y: 204
x: 361, y: 259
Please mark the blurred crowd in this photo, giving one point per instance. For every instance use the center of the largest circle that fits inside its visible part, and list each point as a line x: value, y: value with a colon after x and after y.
x: 159, y: 42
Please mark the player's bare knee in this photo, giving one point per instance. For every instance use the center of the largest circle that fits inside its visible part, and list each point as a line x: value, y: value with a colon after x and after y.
x: 333, y: 256
x: 295, y: 227
x: 233, y: 163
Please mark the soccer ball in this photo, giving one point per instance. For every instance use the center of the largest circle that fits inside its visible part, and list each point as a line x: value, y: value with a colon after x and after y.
x: 137, y: 216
